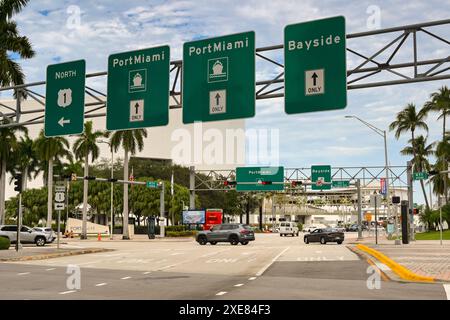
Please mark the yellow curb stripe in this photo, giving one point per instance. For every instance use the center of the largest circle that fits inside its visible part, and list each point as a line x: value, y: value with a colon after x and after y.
x: 400, y: 270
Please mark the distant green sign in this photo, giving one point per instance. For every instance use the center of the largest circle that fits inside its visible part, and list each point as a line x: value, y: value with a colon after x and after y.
x: 64, y: 101
x: 420, y: 176
x: 152, y: 184
x: 321, y: 177
x: 315, y: 66
x: 138, y: 89
x: 340, y: 184
x: 219, y: 78
x: 260, y: 179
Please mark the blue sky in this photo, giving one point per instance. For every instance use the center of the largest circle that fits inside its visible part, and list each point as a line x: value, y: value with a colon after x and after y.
x: 110, y: 26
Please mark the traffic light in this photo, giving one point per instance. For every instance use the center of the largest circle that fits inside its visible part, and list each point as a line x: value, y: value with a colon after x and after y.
x: 18, y: 183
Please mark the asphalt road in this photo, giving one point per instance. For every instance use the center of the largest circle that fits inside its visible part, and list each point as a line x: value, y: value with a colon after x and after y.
x: 271, y: 267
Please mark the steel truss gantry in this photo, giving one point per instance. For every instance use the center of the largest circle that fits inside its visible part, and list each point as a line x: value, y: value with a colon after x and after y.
x: 366, y: 74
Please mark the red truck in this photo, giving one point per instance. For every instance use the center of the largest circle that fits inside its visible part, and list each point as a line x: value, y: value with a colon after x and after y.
x: 212, y: 217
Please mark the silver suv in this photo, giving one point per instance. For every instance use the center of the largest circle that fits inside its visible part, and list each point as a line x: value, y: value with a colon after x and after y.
x: 232, y: 233
x: 27, y: 235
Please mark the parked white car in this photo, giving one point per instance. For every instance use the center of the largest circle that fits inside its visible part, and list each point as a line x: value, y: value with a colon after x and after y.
x: 27, y: 235
x: 51, y: 235
x: 312, y: 227
x: 290, y: 228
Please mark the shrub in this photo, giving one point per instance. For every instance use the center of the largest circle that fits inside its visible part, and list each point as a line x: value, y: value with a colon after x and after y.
x: 4, y: 243
x: 178, y: 228
x: 180, y: 233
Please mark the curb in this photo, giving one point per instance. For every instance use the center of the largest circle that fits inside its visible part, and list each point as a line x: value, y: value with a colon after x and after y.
x: 397, y: 268
x: 56, y: 254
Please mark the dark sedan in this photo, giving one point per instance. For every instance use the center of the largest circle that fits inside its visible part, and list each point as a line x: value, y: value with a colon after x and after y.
x: 324, y: 235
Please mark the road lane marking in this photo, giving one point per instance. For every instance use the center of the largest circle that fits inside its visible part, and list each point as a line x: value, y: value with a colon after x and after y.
x: 50, y: 269
x: 147, y: 272
x: 125, y: 278
x: 447, y: 290
x: 239, y: 285
x: 221, y: 293
x: 101, y: 284
x: 23, y: 273
x: 66, y: 292
x: 252, y: 278
x: 260, y: 272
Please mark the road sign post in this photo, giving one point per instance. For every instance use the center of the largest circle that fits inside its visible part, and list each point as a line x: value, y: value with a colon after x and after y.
x: 138, y: 89
x: 315, y: 66
x: 219, y: 78
x: 260, y: 179
x: 64, y: 102
x: 60, y: 198
x: 321, y: 177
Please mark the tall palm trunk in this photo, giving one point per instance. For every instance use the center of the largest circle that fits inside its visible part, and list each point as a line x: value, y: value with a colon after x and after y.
x: 85, y: 198
x: 2, y: 191
x: 445, y: 163
x: 25, y: 178
x: 125, y: 234
x: 422, y: 185
x: 50, y: 193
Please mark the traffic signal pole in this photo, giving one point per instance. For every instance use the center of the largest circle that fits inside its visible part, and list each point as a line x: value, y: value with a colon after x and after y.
x: 19, y: 222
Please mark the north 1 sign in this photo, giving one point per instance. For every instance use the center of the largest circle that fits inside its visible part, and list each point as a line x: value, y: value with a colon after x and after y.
x: 315, y: 66
x: 219, y: 78
x: 64, y: 101
x: 138, y: 89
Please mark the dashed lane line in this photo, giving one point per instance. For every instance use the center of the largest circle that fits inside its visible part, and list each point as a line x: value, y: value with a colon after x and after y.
x: 101, y: 284
x: 239, y: 285
x: 125, y: 278
x: 50, y: 269
x: 260, y: 272
x: 221, y: 293
x: 146, y: 272
x: 23, y: 273
x: 66, y: 292
x: 252, y: 278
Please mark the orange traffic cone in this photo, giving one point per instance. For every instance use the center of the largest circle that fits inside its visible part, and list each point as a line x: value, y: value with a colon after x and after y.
x: 99, y: 237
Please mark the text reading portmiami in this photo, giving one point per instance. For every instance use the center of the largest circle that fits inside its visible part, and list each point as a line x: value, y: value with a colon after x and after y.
x: 218, y: 46
x: 138, y: 58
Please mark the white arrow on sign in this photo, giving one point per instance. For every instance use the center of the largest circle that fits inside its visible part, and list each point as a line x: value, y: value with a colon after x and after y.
x: 62, y: 122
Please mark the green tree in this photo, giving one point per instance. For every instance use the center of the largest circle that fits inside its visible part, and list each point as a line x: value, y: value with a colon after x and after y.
x: 409, y: 120
x: 51, y: 150
x: 131, y: 141
x: 12, y: 42
x: 8, y: 149
x: 84, y: 146
x: 26, y: 161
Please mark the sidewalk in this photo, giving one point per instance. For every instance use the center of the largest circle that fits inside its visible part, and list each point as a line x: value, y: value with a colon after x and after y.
x: 39, y: 253
x: 134, y: 238
x: 426, y: 258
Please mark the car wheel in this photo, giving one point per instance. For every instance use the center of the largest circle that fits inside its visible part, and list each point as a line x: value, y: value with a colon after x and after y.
x: 40, y: 241
x: 323, y: 241
x: 202, y: 240
x: 298, y: 232
x: 281, y: 234
x: 339, y: 242
x: 244, y: 243
x: 213, y: 243
x: 306, y: 240
x: 234, y: 240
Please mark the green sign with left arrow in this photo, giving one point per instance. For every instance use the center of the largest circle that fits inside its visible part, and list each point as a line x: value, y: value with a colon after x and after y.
x: 64, y: 101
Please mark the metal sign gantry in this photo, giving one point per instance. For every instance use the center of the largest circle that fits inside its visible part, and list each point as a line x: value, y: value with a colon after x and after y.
x: 370, y: 72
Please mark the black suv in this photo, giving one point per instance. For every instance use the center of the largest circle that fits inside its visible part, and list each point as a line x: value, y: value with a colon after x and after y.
x: 233, y: 233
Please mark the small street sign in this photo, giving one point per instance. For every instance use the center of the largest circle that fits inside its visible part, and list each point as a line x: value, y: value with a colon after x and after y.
x: 340, y: 183
x: 420, y: 176
x: 219, y: 78
x: 152, y: 184
x: 321, y: 177
x: 259, y: 178
x: 64, y: 101
x: 60, y: 197
x: 315, y: 66
x: 138, y: 89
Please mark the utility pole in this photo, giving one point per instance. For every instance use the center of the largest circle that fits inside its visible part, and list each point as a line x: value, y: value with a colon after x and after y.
x: 409, y: 177
x: 161, y: 211
x: 192, y: 188
x: 358, y: 188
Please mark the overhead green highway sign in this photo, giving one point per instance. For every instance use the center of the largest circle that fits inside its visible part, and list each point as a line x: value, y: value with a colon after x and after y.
x: 420, y: 176
x: 315, y: 73
x: 340, y: 183
x: 259, y: 178
x: 321, y: 177
x: 138, y: 89
x: 219, y: 78
x: 64, y: 98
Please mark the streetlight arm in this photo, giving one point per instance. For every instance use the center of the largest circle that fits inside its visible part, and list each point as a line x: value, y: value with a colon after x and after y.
x: 371, y: 126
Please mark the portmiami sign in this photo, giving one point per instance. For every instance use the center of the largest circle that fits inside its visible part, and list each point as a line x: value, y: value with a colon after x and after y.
x: 138, y: 89
x: 219, y: 78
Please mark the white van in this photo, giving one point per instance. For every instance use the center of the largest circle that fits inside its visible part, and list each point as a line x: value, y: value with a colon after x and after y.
x: 288, y: 228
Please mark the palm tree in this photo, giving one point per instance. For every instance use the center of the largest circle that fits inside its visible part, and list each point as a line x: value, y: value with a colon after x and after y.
x: 8, y: 147
x: 51, y: 150
x: 25, y: 160
x: 12, y: 42
x: 87, y: 144
x: 131, y: 141
x: 409, y: 120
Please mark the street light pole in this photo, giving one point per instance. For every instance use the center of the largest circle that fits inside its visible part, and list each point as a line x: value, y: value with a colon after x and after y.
x: 383, y: 134
x: 112, y: 188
